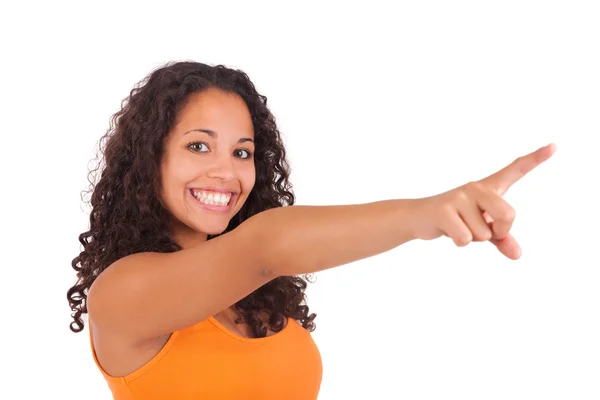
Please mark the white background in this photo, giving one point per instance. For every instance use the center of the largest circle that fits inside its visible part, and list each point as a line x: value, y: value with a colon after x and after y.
x: 376, y: 100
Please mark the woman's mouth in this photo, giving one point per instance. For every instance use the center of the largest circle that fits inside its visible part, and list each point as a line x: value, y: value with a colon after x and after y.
x: 213, y: 200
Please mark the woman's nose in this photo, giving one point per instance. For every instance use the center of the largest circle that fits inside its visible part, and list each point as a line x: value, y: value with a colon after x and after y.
x: 222, y: 168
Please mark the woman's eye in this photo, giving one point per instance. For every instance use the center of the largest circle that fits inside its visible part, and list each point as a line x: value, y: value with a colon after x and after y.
x: 242, y: 153
x: 198, y: 146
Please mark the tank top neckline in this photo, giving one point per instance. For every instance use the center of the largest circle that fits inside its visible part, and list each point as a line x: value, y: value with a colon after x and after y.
x: 274, y: 336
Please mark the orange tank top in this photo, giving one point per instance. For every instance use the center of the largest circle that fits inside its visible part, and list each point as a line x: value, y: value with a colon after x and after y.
x: 207, y: 361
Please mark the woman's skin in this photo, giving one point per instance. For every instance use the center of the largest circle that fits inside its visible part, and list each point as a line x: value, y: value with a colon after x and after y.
x: 136, y: 303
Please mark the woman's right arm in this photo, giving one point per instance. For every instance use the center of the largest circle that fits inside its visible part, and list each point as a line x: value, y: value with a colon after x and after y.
x: 146, y: 295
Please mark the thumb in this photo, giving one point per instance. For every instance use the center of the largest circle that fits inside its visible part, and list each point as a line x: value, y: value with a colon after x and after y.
x: 508, y: 246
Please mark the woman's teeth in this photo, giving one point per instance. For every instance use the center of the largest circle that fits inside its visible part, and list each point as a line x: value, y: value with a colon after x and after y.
x: 212, y: 198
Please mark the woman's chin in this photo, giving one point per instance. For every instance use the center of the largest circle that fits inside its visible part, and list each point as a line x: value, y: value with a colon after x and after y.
x: 215, y: 232
x: 210, y: 230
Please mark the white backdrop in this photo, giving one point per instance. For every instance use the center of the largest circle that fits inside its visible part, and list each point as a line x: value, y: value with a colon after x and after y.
x: 375, y: 101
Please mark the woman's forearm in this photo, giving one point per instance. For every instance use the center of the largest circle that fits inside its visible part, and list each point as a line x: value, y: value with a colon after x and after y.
x: 303, y: 239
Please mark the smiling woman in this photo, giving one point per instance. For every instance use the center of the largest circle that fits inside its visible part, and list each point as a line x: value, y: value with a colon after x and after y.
x: 191, y: 268
x: 181, y: 168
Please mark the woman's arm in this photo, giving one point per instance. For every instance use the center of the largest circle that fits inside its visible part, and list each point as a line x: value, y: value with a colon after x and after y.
x: 151, y: 294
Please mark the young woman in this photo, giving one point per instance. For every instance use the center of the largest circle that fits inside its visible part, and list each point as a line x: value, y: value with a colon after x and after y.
x: 191, y: 268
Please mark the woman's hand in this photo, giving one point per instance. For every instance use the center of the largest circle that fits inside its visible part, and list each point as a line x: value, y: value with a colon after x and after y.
x: 476, y: 211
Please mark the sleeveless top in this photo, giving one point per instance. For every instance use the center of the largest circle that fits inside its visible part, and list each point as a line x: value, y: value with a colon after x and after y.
x: 207, y: 361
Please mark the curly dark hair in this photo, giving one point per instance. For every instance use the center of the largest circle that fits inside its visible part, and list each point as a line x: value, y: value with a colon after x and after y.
x: 127, y: 216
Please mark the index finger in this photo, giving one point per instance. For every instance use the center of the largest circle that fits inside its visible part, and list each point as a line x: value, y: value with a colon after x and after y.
x: 502, y: 180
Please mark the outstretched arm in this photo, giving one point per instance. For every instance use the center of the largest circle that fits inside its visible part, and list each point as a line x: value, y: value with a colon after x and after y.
x: 150, y: 294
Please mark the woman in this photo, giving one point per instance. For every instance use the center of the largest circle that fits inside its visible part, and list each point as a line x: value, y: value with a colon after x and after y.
x: 190, y: 271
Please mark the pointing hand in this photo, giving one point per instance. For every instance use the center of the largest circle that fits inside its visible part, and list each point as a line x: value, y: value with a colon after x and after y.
x: 476, y: 211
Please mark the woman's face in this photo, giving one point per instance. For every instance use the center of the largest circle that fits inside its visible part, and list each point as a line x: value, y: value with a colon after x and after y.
x: 207, y: 170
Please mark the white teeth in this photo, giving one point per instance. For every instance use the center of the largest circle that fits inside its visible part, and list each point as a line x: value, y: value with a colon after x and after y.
x: 213, y: 199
